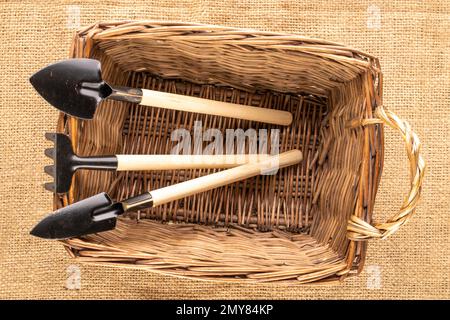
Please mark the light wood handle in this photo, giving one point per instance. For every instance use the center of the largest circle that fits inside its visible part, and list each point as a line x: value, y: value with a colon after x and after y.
x: 218, y: 179
x: 174, y: 162
x: 213, y: 107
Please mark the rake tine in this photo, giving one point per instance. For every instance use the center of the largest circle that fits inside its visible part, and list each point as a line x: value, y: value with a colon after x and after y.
x: 50, y: 186
x: 50, y: 152
x: 50, y: 136
x: 50, y: 170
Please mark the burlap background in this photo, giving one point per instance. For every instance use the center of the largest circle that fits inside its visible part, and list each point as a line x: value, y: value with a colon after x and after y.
x: 412, y: 40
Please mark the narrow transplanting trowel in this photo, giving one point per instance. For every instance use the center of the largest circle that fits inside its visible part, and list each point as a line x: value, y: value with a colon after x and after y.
x: 66, y: 162
x: 99, y: 213
x: 76, y: 87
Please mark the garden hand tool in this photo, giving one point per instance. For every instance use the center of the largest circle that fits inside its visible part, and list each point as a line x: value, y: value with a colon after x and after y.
x: 66, y: 162
x: 99, y: 213
x: 76, y: 87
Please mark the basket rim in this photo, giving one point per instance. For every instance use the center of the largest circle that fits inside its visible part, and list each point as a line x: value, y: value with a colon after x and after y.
x: 95, y: 30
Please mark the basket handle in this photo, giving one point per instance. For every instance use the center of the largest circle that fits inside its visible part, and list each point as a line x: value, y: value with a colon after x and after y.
x: 358, y: 229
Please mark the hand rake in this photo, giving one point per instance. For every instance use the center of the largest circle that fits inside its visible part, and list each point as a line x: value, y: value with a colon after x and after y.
x: 66, y: 162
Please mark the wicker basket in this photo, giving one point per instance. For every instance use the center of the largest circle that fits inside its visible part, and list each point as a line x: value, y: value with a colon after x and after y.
x: 308, y: 223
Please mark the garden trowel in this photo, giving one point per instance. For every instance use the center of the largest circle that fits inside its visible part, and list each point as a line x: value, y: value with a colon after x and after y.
x: 76, y: 87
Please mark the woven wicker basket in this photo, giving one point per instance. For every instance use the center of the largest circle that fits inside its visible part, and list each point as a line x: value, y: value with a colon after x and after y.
x: 308, y: 223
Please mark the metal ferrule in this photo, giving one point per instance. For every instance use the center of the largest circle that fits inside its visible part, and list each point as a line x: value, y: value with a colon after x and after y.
x: 142, y: 201
x: 95, y: 162
x: 126, y: 94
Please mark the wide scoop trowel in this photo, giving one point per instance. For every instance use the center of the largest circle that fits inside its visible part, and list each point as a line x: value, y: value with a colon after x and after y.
x: 99, y: 213
x: 76, y: 87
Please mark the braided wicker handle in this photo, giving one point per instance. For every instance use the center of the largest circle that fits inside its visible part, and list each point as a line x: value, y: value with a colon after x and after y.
x: 357, y: 228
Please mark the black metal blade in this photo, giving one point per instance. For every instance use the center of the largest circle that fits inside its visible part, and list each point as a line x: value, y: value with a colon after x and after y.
x: 66, y: 162
x: 78, y: 219
x: 64, y: 167
x: 74, y: 86
x: 63, y: 157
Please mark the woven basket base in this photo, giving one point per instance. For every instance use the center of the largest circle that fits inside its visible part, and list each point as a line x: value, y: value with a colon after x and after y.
x: 271, y: 256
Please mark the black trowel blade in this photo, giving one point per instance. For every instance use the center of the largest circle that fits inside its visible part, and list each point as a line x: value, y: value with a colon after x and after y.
x: 77, y: 219
x: 63, y: 85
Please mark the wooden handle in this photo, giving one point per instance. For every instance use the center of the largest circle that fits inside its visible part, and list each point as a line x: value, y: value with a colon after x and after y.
x: 174, y: 162
x: 218, y: 179
x: 218, y: 108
